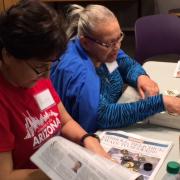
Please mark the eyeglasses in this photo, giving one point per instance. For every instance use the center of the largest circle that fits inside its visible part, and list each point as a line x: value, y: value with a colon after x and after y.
x: 44, y: 69
x: 107, y: 45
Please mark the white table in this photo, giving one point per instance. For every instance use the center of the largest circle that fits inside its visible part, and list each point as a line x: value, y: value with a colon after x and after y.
x: 162, y: 73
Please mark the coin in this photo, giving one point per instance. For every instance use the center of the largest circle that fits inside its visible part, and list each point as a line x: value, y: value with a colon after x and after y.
x: 129, y: 164
x: 127, y: 158
x: 135, y: 169
x: 124, y: 152
x: 141, y: 159
x: 137, y: 164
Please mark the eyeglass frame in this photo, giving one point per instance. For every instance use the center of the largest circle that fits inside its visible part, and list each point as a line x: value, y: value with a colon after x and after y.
x: 36, y: 70
x: 106, y: 45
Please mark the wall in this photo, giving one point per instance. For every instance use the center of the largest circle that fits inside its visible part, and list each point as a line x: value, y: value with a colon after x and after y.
x: 1, y: 5
x: 162, y: 6
x: 5, y: 4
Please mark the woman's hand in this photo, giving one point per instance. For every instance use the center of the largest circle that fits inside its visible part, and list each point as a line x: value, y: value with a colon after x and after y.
x: 172, y: 104
x: 74, y: 132
x: 93, y: 144
x: 8, y: 173
x: 146, y: 86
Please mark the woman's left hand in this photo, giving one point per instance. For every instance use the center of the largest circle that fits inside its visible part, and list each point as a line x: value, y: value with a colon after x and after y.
x: 146, y: 86
x: 74, y: 132
x: 93, y: 144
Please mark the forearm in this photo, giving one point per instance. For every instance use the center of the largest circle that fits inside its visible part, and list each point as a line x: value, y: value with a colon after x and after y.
x: 130, y: 70
x: 134, y: 74
x: 122, y: 115
x: 24, y: 174
x: 73, y: 131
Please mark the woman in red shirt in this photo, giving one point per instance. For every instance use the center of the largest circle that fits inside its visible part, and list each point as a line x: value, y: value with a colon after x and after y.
x: 31, y: 37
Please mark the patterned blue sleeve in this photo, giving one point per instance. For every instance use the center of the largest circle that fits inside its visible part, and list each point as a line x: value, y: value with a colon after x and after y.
x: 130, y: 69
x: 112, y: 114
x: 116, y: 115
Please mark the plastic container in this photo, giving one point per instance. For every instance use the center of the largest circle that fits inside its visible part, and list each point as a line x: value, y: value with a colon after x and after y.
x: 172, y: 169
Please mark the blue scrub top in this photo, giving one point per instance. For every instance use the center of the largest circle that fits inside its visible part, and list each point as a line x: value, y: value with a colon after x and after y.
x: 78, y: 85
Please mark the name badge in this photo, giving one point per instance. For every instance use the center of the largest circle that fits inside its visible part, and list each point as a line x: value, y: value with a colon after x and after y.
x: 44, y: 99
x: 112, y: 66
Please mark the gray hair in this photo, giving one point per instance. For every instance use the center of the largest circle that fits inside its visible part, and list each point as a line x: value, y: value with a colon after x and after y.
x: 83, y: 21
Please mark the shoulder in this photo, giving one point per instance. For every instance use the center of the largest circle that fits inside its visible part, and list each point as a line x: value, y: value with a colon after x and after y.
x: 123, y: 59
x: 74, y: 62
x: 75, y: 50
x: 74, y: 58
x: 43, y: 86
x: 122, y: 54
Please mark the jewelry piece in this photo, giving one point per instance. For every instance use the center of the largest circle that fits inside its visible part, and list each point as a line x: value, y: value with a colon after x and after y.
x: 87, y: 135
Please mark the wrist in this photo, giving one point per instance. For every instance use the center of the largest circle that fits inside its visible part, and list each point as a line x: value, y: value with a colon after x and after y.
x: 84, y: 137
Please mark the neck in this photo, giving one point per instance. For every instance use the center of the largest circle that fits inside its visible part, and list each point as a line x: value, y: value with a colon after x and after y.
x: 95, y: 62
x: 93, y: 59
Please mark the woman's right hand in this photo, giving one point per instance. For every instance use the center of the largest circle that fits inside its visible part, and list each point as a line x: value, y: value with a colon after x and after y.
x: 172, y: 104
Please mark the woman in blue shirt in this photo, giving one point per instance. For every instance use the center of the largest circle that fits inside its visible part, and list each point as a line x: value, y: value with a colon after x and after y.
x: 88, y: 87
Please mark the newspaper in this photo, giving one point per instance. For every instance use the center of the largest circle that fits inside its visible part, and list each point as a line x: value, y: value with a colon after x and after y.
x: 61, y: 159
x: 136, y: 153
x: 177, y: 70
x: 163, y: 118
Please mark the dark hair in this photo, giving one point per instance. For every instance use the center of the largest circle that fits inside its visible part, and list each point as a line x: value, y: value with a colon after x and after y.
x: 32, y: 29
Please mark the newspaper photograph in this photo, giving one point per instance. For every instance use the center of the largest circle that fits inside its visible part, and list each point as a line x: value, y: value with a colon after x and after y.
x: 62, y: 159
x: 136, y: 153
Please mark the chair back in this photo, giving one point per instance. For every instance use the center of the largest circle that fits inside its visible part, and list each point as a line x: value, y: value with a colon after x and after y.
x: 157, y: 35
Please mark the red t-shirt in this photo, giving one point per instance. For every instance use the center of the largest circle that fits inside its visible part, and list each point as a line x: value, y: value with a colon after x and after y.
x: 28, y: 118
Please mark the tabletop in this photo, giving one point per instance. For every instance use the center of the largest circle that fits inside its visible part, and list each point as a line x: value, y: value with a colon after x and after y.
x: 162, y: 73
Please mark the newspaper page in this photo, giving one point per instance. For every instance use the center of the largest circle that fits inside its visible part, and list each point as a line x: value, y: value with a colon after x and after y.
x: 136, y: 153
x: 61, y: 159
x: 177, y: 70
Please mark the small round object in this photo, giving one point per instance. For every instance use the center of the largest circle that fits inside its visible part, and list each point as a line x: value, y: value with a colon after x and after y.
x: 137, y: 164
x: 131, y: 169
x: 131, y: 164
x: 124, y: 151
x: 135, y: 169
x: 173, y: 167
x: 141, y: 159
x: 148, y: 166
x: 127, y: 158
x: 127, y: 165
